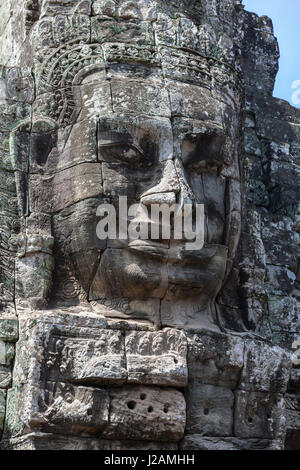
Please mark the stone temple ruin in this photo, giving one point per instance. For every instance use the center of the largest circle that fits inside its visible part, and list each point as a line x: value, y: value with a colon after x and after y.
x: 119, y: 345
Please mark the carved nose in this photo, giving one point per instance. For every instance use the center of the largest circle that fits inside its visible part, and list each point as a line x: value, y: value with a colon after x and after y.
x: 172, y: 188
x: 186, y: 195
x: 159, y: 198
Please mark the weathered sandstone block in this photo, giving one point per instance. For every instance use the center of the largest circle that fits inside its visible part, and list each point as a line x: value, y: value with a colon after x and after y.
x: 157, y: 358
x: 259, y: 415
x: 215, y: 358
x: 209, y: 410
x: 146, y: 413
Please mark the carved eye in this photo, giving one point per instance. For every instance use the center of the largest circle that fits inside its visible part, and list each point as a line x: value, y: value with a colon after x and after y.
x: 137, y: 153
x: 126, y: 152
x: 130, y: 154
x: 203, y: 150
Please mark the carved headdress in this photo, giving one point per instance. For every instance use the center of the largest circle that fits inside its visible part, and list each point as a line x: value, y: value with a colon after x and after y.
x: 181, y: 38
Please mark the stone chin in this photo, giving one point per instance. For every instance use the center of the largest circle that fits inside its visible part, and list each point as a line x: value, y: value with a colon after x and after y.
x: 147, y: 281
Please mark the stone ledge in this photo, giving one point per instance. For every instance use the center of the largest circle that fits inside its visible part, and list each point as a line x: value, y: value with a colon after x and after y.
x: 44, y: 441
x: 198, y: 442
x: 128, y: 412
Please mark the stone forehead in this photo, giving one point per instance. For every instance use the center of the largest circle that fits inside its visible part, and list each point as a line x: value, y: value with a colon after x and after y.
x: 167, y: 69
x: 156, y: 105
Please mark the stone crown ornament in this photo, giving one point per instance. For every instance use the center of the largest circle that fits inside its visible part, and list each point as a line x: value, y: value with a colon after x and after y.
x: 186, y: 49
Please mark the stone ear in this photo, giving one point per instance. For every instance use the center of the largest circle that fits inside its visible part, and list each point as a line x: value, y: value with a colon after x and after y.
x: 43, y: 139
x: 31, y: 143
x: 19, y: 148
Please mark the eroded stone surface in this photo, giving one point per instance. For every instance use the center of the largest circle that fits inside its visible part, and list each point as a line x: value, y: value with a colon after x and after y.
x: 198, y: 442
x: 157, y: 358
x: 8, y: 329
x: 146, y: 413
x: 42, y: 441
x: 215, y: 359
x: 265, y: 369
x: 88, y: 361
x: 209, y: 410
x: 127, y: 413
x: 57, y: 408
x: 259, y: 415
x: 2, y: 408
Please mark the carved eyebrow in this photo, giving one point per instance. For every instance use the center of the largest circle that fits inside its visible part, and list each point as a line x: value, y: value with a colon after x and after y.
x: 114, y: 144
x: 108, y: 135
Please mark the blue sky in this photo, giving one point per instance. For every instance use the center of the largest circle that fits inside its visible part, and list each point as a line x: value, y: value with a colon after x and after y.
x: 286, y: 19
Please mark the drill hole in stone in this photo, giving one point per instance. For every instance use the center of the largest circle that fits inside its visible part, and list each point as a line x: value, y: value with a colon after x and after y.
x: 131, y: 405
x: 143, y: 396
x: 150, y: 409
x: 166, y: 408
x: 206, y: 411
x: 175, y: 360
x: 250, y: 420
x: 90, y: 412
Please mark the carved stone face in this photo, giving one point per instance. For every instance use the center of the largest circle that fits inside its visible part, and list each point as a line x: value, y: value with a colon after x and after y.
x: 154, y: 141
